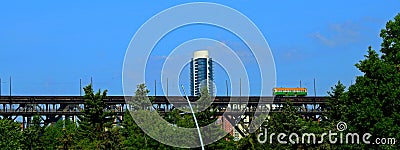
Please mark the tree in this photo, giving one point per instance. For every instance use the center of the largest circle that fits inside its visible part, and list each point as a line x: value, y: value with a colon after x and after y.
x: 11, y: 134
x: 141, y: 100
x: 336, y: 103
x: 391, y: 41
x: 372, y: 104
x: 132, y: 136
x: 66, y: 138
x: 288, y: 121
x: 96, y: 122
x: 32, y: 134
x: 205, y: 117
x: 60, y: 135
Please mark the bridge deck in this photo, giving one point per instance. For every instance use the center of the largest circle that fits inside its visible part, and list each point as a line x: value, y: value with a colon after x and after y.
x: 73, y: 105
x: 157, y: 99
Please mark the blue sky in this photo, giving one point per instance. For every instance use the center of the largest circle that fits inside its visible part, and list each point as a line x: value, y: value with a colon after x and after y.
x: 47, y: 46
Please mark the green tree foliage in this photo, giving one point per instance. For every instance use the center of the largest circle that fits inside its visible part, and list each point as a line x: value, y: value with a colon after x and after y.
x: 141, y: 100
x: 133, y: 137
x: 60, y: 135
x: 10, y: 134
x: 51, y: 133
x: 251, y: 142
x: 96, y: 123
x: 206, y: 117
x: 224, y: 143
x: 372, y: 104
x: 391, y: 41
x: 289, y: 121
x: 337, y: 99
x: 32, y: 135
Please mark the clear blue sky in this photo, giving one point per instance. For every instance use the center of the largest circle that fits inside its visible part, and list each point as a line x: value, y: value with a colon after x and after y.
x: 47, y: 46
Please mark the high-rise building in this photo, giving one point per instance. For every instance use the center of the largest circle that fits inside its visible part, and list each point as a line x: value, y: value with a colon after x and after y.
x: 201, y: 73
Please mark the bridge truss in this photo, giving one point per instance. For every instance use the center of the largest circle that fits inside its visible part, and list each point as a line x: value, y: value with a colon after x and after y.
x: 53, y: 108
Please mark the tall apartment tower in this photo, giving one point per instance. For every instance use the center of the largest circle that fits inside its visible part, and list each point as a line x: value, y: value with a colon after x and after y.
x: 201, y: 73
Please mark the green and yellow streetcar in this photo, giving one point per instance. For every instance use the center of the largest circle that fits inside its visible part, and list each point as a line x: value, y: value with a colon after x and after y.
x: 289, y: 91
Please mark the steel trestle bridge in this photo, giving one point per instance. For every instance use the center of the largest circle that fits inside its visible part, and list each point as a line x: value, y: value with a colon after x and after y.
x: 52, y: 108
